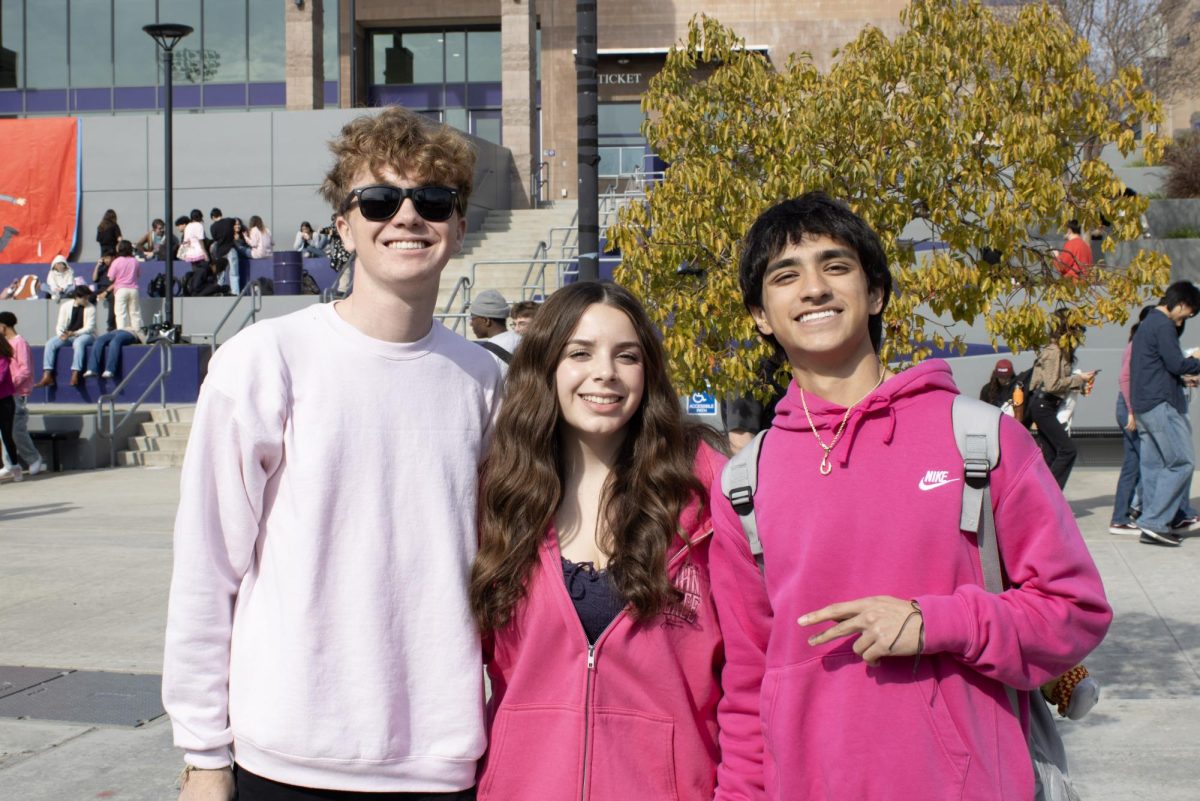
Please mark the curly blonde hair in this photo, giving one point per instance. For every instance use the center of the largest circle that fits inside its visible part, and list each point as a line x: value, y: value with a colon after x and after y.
x: 406, y: 142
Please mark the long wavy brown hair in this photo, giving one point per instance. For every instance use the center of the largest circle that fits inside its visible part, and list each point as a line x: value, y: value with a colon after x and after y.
x: 523, y: 472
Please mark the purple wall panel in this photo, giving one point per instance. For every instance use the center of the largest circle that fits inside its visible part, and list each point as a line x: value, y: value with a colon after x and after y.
x: 12, y: 102
x: 331, y: 94
x: 91, y: 99
x: 419, y: 96
x: 45, y: 100
x: 483, y: 94
x: 268, y: 94
x: 189, y: 365
x: 225, y: 94
x: 135, y: 97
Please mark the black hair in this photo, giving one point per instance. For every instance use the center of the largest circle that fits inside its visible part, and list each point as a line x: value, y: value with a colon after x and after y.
x: 182, y: 220
x: 158, y: 221
x: 124, y: 248
x: 215, y: 212
x: 1182, y: 292
x: 812, y: 214
x: 1074, y: 227
x: 8, y: 318
x: 197, y: 215
x: 82, y: 291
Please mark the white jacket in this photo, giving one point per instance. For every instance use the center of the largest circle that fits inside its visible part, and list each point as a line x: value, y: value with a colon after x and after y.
x: 64, y: 319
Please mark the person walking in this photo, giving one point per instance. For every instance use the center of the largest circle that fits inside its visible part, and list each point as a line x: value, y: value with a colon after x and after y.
x: 1050, y: 383
x: 8, y: 408
x: 22, y: 375
x: 1129, y: 480
x: 1158, y: 371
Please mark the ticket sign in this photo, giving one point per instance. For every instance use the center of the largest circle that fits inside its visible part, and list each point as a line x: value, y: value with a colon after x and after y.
x: 701, y: 403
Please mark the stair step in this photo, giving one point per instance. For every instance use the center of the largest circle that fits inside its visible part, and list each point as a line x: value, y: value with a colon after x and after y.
x: 150, y: 459
x: 166, y: 430
x: 158, y: 444
x: 172, y: 414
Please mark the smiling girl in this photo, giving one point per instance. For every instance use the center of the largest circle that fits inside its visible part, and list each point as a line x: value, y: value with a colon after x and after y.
x: 591, y: 584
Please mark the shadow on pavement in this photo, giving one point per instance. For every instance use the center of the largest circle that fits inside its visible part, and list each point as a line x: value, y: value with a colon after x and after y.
x: 1145, y: 656
x: 38, y: 510
x: 1084, y: 507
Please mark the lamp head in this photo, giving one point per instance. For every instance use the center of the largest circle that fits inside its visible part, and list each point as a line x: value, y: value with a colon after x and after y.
x: 167, y: 34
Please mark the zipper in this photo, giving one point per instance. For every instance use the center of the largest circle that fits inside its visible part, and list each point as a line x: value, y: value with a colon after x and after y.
x: 591, y: 671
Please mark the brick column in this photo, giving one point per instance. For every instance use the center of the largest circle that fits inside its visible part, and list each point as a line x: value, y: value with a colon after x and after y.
x: 305, y: 61
x: 518, y: 121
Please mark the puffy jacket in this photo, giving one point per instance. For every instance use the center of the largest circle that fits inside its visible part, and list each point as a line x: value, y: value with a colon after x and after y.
x: 632, y: 717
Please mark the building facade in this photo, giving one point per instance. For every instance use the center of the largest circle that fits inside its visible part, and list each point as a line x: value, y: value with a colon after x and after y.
x: 502, y: 70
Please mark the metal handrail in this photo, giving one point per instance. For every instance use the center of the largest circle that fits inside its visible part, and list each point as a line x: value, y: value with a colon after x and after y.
x: 530, y: 287
x: 329, y: 293
x: 165, y: 364
x: 251, y: 290
x: 463, y: 283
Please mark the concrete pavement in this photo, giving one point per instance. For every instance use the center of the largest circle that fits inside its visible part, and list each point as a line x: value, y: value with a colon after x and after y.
x: 85, y: 563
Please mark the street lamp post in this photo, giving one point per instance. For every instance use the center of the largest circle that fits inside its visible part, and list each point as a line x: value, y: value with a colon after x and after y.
x: 166, y: 35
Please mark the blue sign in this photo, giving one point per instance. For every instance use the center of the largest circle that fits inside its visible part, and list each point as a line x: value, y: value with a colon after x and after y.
x: 700, y: 403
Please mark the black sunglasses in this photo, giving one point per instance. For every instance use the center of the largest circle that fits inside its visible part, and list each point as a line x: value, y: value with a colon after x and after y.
x: 380, y: 202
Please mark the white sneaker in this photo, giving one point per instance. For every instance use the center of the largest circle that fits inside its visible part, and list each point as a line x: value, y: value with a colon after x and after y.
x: 38, y: 466
x: 106, y: 374
x: 88, y: 373
x: 6, y: 474
x: 17, y: 473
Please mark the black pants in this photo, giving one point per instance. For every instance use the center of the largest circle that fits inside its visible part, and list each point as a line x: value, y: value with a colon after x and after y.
x: 255, y: 788
x: 8, y: 410
x: 1057, y: 447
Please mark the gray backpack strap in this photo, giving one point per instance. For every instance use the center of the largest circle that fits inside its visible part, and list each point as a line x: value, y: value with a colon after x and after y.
x: 739, y: 482
x: 977, y: 433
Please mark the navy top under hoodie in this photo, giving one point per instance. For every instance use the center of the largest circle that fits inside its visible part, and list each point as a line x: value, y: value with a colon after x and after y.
x: 1156, y: 365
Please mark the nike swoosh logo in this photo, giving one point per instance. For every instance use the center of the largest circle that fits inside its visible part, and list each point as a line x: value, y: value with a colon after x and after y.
x: 926, y: 487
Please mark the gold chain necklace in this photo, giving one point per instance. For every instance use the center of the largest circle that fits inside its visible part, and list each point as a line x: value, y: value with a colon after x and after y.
x: 826, y: 467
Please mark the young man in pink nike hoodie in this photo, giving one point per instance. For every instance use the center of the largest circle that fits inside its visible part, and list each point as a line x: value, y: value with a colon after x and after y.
x: 868, y: 662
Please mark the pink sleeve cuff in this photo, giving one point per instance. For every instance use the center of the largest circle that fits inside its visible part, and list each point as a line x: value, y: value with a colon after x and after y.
x: 213, y: 759
x: 947, y: 624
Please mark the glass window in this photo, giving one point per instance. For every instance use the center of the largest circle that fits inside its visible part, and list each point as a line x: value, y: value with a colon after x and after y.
x: 487, y: 125
x: 456, y: 118
x: 12, y: 34
x: 188, y: 63
x: 456, y: 57
x: 620, y: 118
x: 46, y: 62
x: 384, y: 47
x: 420, y: 58
x: 91, y: 43
x: 267, y: 47
x: 225, y: 41
x: 483, y: 56
x: 136, y: 56
x: 330, y: 43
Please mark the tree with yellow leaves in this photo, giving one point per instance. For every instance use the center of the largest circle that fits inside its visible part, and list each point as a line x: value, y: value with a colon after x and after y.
x: 964, y: 132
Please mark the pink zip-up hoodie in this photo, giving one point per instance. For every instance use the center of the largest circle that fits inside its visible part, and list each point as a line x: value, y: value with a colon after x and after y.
x: 816, y: 722
x: 632, y: 717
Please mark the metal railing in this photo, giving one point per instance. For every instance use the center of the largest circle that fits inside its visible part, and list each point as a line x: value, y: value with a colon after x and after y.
x: 251, y: 290
x: 459, y: 318
x: 333, y: 291
x: 165, y: 361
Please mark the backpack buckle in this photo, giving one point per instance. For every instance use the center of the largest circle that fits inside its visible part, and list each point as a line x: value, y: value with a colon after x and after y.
x: 975, y: 472
x: 742, y: 500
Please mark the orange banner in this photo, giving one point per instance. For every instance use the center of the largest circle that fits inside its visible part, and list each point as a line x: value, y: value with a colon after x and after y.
x: 39, y: 189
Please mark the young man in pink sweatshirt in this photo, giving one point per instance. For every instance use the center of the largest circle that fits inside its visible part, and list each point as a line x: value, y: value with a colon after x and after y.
x: 22, y: 376
x: 868, y: 662
x: 319, y: 639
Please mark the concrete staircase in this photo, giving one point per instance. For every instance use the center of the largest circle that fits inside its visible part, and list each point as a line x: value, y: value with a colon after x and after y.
x: 505, y: 235
x: 162, y: 441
